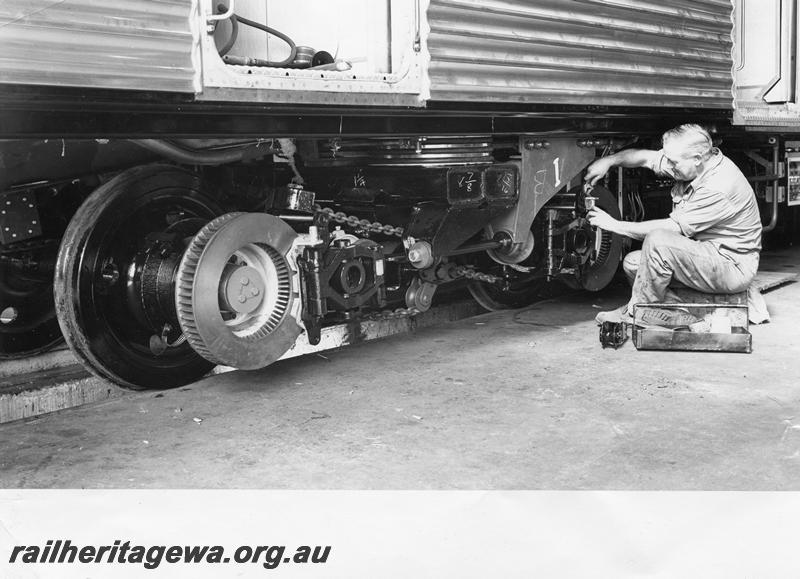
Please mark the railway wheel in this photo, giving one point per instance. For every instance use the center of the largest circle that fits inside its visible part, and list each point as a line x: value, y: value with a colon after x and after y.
x: 597, y: 251
x: 237, y: 293
x: 521, y: 284
x: 28, y: 323
x: 520, y: 289
x: 115, y: 272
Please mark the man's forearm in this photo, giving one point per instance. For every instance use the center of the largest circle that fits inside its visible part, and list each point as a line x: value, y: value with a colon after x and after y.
x: 629, y: 159
x: 632, y: 158
x: 639, y: 229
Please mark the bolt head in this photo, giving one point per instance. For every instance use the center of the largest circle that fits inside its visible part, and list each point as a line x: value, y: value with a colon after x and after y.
x: 244, y: 280
x: 242, y: 299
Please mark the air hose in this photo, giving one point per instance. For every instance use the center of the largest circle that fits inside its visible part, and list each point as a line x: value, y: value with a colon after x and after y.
x: 246, y: 60
x: 188, y: 156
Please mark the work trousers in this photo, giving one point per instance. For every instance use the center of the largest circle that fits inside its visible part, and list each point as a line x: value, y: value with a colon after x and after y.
x: 671, y: 259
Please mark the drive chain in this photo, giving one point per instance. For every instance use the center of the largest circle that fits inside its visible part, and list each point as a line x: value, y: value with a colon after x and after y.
x: 395, y: 314
x: 462, y: 271
x: 469, y: 273
x: 356, y: 222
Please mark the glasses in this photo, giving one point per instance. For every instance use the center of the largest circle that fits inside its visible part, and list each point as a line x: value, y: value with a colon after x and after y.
x: 672, y: 163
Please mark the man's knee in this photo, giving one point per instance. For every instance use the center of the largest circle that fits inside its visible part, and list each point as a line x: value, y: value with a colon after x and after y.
x: 630, y: 265
x: 658, y: 239
x: 662, y: 250
x: 662, y: 246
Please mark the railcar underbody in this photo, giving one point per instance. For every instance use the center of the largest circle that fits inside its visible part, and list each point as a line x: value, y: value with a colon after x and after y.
x: 223, y: 252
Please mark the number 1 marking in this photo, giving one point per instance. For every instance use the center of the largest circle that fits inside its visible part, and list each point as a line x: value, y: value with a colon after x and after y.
x: 558, y: 171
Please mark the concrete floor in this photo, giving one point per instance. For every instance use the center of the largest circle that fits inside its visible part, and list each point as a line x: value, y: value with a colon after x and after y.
x: 512, y: 400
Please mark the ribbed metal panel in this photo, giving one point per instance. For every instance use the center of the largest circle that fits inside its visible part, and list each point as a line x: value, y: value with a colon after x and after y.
x: 614, y: 52
x: 121, y: 44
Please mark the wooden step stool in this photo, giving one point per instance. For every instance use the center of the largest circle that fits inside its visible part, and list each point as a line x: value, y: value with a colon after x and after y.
x: 690, y: 296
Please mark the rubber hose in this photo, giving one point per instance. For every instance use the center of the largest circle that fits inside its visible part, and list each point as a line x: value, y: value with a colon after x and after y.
x: 234, y: 35
x: 194, y: 157
x: 279, y: 34
x: 235, y: 19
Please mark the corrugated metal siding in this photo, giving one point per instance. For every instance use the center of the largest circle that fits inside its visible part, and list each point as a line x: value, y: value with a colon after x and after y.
x: 614, y: 52
x: 121, y: 44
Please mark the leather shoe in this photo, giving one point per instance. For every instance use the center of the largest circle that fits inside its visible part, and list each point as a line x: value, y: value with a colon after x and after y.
x: 616, y: 316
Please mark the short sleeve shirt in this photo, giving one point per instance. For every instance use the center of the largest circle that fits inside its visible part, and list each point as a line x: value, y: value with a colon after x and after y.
x: 718, y: 206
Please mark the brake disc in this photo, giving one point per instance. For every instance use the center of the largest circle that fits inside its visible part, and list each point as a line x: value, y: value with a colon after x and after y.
x: 604, y: 248
x: 237, y: 291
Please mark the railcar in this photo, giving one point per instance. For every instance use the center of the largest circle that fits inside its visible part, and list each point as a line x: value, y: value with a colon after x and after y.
x: 187, y: 183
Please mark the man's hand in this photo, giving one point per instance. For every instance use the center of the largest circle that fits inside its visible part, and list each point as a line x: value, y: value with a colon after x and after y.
x: 597, y: 170
x: 601, y: 219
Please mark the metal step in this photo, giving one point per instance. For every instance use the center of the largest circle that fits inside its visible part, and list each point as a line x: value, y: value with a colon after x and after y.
x: 56, y: 388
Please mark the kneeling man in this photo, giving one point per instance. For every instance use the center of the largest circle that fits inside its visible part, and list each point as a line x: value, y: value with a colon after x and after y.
x: 711, y: 240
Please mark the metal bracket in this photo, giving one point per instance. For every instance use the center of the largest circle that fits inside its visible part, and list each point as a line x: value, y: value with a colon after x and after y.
x: 19, y: 217
x: 211, y: 18
x: 420, y: 294
x: 546, y: 167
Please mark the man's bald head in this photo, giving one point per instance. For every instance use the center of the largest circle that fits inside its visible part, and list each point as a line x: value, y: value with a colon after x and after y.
x: 691, y: 139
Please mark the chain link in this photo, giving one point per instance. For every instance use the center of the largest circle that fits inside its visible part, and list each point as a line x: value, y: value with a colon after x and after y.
x: 462, y: 271
x: 395, y: 314
x: 469, y: 273
x: 355, y: 222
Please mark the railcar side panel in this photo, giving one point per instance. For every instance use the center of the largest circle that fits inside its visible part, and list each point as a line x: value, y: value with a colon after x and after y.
x: 675, y: 53
x: 619, y: 52
x: 765, y: 74
x: 125, y: 44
